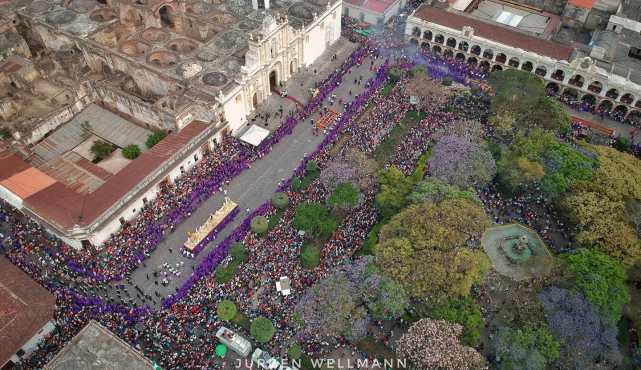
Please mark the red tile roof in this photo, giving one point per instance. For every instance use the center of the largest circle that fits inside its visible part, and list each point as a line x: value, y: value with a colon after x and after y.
x: 65, y: 208
x: 28, y: 182
x: 11, y: 164
x: 379, y: 6
x: 495, y: 33
x: 587, y: 4
x: 25, y: 307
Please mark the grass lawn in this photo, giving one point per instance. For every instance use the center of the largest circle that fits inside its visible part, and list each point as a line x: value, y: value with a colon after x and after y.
x: 385, y: 150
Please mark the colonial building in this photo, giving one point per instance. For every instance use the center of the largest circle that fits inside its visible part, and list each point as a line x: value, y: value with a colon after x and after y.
x: 376, y: 12
x: 26, y: 313
x: 75, y: 72
x: 606, y: 73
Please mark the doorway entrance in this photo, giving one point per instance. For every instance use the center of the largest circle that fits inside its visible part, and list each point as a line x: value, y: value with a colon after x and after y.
x: 165, y: 17
x: 272, y: 80
x: 255, y: 101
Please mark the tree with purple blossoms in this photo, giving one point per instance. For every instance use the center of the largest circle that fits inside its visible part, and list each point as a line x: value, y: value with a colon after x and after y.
x: 333, y: 306
x: 461, y: 162
x: 355, y: 168
x: 588, y: 340
x: 434, y: 344
x: 337, y: 305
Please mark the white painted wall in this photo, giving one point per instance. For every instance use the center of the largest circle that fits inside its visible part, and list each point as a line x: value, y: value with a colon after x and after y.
x: 316, y: 37
x: 366, y: 15
x: 234, y: 109
x: 99, y: 236
x: 10, y: 197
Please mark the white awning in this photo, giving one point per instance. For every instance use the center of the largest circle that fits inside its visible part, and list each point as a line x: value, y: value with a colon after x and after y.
x: 255, y: 135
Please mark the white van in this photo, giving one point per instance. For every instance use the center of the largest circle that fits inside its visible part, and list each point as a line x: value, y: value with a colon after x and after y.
x: 234, y: 341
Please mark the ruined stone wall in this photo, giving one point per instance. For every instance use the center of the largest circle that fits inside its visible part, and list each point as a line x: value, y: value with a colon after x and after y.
x: 146, y: 80
x: 132, y: 106
x: 51, y: 39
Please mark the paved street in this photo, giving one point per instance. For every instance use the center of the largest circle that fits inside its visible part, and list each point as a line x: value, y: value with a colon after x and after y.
x: 254, y: 186
x: 621, y: 129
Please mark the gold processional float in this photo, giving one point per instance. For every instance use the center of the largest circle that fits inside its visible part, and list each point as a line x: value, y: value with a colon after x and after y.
x: 194, y: 238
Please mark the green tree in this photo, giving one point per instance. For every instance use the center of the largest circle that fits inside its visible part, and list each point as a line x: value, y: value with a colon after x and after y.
x: 597, y: 208
x: 540, y: 157
x: 425, y: 248
x: 5, y: 133
x: 131, y: 151
x: 280, y: 200
x: 532, y: 347
x: 601, y: 280
x: 344, y: 196
x: 238, y: 252
x: 226, y: 310
x: 154, y: 138
x: 435, y: 190
x: 519, y: 98
x: 310, y: 256
x: 394, y: 189
x: 295, y: 352
x: 225, y: 274
x: 513, y: 87
x: 314, y: 219
x: 101, y: 150
x: 259, y: 224
x: 447, y: 225
x: 297, y: 184
x: 262, y: 329
x: 311, y: 169
x: 465, y: 312
x: 389, y: 301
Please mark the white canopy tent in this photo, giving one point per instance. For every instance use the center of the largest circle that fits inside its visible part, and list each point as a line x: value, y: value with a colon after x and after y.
x: 255, y: 135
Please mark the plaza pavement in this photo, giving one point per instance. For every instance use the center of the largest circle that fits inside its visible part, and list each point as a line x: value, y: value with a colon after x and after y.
x: 257, y: 184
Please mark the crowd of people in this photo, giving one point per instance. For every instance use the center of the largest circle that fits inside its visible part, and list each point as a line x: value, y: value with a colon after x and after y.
x: 64, y: 282
x: 179, y: 334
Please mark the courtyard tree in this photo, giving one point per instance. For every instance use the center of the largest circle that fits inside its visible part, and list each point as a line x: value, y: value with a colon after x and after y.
x: 588, y: 339
x: 154, y: 138
x: 434, y: 344
x: 131, y: 151
x: 426, y: 248
x: 532, y: 347
x: 101, y: 150
x: 226, y: 310
x: 262, y: 329
x: 461, y: 162
x: 601, y: 280
x: 314, y: 219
